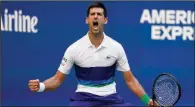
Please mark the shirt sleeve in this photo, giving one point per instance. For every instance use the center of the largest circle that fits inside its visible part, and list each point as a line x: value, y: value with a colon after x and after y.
x: 67, y: 61
x: 122, y: 61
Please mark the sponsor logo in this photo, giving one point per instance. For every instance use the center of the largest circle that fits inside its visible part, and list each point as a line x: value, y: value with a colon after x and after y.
x: 18, y: 22
x: 64, y: 59
x: 170, y: 24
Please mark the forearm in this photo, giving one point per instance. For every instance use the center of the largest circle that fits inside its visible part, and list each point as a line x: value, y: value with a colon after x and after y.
x: 51, y: 84
x: 54, y: 82
x: 135, y: 87
x: 133, y: 84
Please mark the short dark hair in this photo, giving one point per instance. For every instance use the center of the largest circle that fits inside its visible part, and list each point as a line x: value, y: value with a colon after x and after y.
x: 98, y: 5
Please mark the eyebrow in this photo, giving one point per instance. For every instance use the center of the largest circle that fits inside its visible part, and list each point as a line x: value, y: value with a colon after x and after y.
x: 97, y: 13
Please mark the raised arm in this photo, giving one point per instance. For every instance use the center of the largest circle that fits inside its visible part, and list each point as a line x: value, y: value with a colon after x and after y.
x: 56, y: 80
x: 48, y: 85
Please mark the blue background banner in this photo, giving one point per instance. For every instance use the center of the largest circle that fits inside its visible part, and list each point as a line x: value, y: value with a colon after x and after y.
x: 36, y: 51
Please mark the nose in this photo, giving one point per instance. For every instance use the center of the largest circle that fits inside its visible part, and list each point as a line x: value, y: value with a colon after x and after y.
x: 96, y: 16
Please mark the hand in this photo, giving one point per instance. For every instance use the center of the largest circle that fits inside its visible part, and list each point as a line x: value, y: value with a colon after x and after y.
x: 153, y: 103
x: 34, y: 85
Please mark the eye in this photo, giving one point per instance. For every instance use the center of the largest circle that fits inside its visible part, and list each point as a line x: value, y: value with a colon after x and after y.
x: 92, y: 14
x: 99, y: 14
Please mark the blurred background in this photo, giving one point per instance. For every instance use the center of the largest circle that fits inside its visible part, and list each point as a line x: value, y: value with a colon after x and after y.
x: 157, y: 37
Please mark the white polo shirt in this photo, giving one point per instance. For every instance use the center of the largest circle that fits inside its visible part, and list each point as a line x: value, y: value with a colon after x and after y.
x: 95, y: 66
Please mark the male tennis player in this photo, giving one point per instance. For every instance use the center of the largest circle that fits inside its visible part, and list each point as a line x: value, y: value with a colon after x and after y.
x: 95, y: 57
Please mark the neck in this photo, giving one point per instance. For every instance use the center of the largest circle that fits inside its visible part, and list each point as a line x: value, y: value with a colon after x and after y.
x: 96, y: 39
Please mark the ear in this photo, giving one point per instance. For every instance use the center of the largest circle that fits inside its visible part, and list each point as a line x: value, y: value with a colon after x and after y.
x: 86, y: 20
x: 106, y: 20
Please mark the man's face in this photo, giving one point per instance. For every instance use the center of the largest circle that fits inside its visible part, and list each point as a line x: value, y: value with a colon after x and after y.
x: 96, y: 20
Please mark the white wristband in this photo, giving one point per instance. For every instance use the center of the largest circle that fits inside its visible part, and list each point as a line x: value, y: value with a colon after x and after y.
x: 41, y: 87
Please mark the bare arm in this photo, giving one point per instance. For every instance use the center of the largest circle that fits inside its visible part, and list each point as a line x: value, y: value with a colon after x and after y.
x: 133, y: 84
x: 136, y: 88
x: 130, y: 80
x: 49, y: 84
x: 54, y: 82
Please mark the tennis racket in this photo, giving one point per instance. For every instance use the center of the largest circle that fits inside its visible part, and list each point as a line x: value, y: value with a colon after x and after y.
x: 166, y: 90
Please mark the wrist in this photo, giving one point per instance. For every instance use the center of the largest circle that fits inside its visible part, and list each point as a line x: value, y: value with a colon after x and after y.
x: 145, y: 99
x: 41, y: 87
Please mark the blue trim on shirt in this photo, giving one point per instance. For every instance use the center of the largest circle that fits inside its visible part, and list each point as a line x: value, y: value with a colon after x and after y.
x: 95, y: 76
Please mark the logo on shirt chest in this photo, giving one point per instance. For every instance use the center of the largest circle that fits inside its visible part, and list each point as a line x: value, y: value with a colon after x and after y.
x: 108, y: 57
x: 109, y: 60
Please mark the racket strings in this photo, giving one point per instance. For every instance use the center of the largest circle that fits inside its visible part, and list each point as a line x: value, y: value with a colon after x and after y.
x: 166, y: 91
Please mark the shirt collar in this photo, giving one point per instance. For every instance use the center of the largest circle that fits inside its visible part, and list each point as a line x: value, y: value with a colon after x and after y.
x: 103, y: 44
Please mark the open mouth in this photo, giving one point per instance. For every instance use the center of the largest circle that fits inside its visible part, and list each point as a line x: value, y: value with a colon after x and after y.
x: 95, y: 24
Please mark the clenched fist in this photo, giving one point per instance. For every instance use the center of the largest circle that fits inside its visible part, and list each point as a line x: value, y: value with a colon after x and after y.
x: 34, y: 85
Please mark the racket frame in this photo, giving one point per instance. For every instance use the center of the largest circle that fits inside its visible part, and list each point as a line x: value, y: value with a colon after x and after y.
x: 175, y: 80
